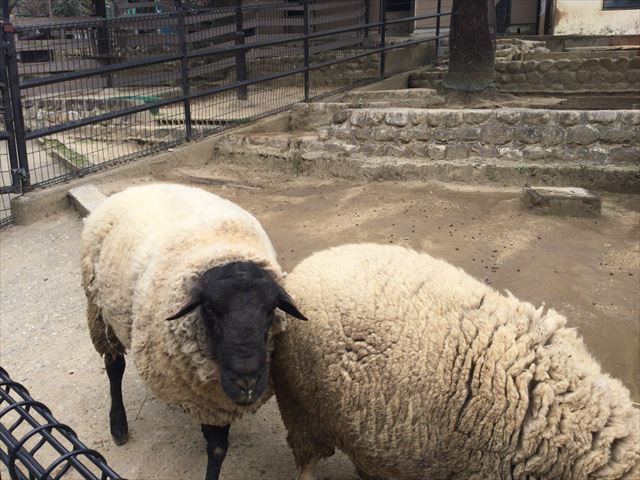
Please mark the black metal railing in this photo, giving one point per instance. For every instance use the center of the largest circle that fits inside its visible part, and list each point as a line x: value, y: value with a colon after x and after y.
x: 34, y: 445
x: 80, y: 96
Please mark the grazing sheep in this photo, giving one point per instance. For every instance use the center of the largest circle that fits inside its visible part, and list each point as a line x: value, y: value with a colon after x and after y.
x: 418, y: 371
x: 168, y: 252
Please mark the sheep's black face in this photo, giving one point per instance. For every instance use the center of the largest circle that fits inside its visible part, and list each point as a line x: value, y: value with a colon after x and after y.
x: 237, y: 303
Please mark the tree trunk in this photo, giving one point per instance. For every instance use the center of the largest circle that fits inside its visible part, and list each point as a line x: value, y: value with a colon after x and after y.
x: 471, y: 45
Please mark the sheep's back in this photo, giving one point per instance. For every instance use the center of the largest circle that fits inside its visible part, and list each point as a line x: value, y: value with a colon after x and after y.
x: 417, y: 370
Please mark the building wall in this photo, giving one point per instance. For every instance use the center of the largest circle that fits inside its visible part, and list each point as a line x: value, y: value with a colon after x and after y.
x: 586, y: 17
x: 524, y: 12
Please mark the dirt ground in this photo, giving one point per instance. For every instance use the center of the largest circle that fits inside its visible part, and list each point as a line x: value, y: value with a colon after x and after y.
x: 588, y: 269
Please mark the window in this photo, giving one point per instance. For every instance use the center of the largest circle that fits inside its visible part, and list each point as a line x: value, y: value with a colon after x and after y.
x: 611, y: 4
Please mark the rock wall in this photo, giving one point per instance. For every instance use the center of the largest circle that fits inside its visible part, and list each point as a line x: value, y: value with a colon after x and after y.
x: 569, y: 75
x: 594, y: 137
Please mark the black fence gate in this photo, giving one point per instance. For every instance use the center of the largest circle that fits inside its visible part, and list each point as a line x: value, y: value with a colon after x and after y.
x: 83, y: 95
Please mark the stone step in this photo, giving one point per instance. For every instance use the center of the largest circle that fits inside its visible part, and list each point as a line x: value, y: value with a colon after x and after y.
x: 339, y: 160
x: 417, y: 97
x: 634, y: 52
x: 595, y: 137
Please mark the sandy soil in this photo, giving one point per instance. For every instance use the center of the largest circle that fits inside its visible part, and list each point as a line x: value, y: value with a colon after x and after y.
x: 588, y: 269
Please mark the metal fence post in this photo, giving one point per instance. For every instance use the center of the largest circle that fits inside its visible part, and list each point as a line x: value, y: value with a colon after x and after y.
x: 184, y: 67
x: 383, y: 34
x: 14, y: 165
x: 306, y: 49
x: 13, y: 78
x: 241, y: 54
x: 438, y: 11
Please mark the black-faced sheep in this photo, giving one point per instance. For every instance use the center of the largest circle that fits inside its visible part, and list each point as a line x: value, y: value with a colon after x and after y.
x: 420, y: 372
x: 186, y: 282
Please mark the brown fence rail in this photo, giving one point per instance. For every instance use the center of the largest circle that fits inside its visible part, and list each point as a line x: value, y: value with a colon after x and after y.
x: 83, y: 95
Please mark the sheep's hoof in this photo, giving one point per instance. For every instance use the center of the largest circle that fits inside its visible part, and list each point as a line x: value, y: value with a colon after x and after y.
x: 120, y: 435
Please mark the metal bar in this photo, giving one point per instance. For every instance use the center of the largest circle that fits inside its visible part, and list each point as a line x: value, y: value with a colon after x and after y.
x: 9, y: 135
x: 184, y: 69
x: 89, y: 72
x: 241, y: 55
x: 383, y: 34
x: 83, y: 122
x: 102, y: 37
x: 328, y: 63
x: 13, y: 79
x: 438, y: 9
x: 307, y: 31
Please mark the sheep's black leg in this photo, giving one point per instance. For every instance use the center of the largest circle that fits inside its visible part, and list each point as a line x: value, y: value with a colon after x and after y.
x: 217, y: 443
x: 117, y: 416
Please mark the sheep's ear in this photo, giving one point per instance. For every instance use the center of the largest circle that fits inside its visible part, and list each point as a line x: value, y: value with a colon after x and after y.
x: 187, y: 307
x: 284, y: 303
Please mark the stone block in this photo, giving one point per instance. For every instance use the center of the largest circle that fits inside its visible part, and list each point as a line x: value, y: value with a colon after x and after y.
x: 406, y: 135
x: 615, y: 76
x: 606, y: 63
x: 453, y: 119
x: 552, y: 135
x: 601, y: 116
x: 568, y: 77
x: 476, y: 117
x: 545, y: 65
x: 359, y: 118
x: 569, y: 118
x: 469, y: 133
x: 323, y: 134
x: 496, y: 134
x: 562, y: 63
x: 375, y: 117
x: 501, y: 67
x: 591, y: 63
x: 626, y: 155
x: 535, y: 77
x: 514, y: 67
x: 384, y: 134
x: 397, y: 119
x: 535, y: 152
x: 456, y: 151
x: 570, y: 201
x: 581, y: 135
x: 633, y: 77
x: 634, y: 62
x: 341, y: 116
x: 423, y: 134
x: 434, y: 119
x: 630, y: 118
x: 444, y: 134
x: 535, y: 117
x: 612, y: 134
x: 519, y: 78
x: 363, y: 134
x: 436, y: 151
x: 528, y: 134
x: 510, y: 153
x: 509, y: 116
x: 86, y: 198
x: 529, y: 66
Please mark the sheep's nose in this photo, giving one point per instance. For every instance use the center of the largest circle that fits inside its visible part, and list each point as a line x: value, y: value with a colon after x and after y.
x: 246, y: 383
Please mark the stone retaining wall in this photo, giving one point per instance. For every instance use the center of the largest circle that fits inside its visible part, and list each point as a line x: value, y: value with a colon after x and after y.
x: 570, y: 74
x: 554, y: 75
x: 594, y: 137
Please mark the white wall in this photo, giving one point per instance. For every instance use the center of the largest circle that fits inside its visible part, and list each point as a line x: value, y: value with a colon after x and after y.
x: 586, y: 17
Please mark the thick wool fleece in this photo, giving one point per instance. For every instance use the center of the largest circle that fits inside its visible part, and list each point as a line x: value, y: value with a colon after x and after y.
x: 142, y: 251
x: 418, y: 371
